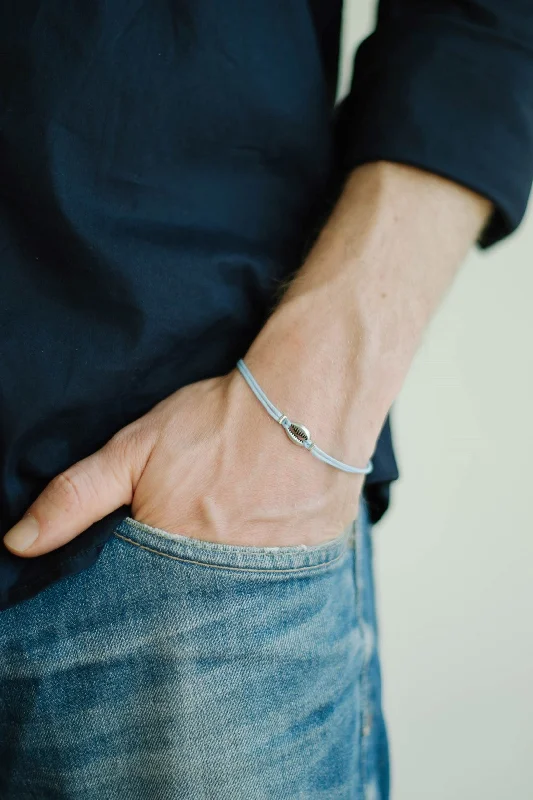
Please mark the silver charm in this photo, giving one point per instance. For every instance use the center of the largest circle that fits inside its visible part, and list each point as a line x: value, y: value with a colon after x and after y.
x: 299, y: 434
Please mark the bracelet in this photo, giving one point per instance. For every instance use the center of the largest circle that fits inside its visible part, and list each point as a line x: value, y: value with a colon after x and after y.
x: 296, y: 432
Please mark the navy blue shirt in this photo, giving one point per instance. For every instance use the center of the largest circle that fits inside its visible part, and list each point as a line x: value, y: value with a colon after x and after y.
x: 165, y: 165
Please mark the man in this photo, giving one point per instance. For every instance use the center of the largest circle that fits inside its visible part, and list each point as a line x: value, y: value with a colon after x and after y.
x: 189, y: 604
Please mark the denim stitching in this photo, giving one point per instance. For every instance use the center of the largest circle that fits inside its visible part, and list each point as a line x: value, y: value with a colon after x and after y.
x: 220, y: 547
x: 364, y: 677
x: 236, y: 569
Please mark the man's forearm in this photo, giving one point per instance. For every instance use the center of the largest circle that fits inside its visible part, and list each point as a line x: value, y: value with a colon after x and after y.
x: 335, y: 352
x: 332, y: 356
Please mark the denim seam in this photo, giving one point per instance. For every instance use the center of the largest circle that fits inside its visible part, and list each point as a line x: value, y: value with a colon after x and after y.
x: 235, y: 569
x: 209, y: 547
x: 364, y: 676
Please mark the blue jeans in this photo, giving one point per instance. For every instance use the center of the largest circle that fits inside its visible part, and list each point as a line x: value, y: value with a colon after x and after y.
x: 178, y: 669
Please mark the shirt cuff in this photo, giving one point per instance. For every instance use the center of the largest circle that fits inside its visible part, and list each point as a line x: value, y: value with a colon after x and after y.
x: 449, y: 97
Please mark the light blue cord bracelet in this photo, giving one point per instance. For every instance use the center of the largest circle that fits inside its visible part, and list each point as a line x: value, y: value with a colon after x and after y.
x: 297, y: 433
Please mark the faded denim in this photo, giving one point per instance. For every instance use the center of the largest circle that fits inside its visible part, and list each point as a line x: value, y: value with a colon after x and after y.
x: 178, y: 669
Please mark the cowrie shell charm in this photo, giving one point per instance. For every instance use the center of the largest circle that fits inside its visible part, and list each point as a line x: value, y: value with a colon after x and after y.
x: 297, y: 432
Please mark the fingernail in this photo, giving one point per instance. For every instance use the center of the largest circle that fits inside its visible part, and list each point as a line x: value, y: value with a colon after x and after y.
x: 22, y: 535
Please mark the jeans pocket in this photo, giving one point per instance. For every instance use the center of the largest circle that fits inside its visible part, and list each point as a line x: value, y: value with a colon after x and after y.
x: 182, y: 548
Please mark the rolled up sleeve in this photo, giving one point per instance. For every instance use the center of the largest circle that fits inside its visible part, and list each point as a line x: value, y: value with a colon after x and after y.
x: 448, y: 87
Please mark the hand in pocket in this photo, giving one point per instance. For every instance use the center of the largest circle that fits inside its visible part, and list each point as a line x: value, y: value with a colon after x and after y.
x: 206, y: 462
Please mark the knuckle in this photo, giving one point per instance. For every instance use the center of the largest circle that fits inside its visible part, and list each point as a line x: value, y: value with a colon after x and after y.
x: 132, y: 445
x: 123, y: 442
x: 71, y: 490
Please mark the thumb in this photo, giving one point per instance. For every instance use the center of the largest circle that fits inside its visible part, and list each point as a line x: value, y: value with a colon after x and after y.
x: 76, y: 498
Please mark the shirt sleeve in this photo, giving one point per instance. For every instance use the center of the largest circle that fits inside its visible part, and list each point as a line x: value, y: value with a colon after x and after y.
x: 447, y: 86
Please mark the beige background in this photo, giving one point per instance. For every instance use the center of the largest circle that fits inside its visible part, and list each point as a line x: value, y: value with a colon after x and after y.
x: 454, y: 558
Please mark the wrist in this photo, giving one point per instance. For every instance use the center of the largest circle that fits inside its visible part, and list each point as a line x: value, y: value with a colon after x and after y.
x: 319, y: 372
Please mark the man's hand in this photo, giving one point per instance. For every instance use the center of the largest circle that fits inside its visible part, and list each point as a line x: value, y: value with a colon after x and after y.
x: 209, y: 462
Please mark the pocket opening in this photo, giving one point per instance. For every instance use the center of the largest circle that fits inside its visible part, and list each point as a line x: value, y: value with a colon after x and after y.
x: 230, y: 556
